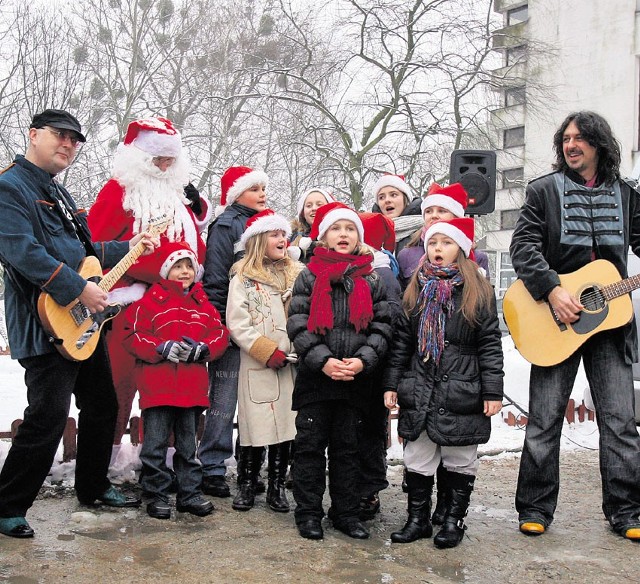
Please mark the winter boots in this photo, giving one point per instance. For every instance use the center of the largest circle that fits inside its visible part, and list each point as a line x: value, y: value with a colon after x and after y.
x: 418, y: 523
x: 278, y: 464
x: 443, y: 496
x: 249, y: 460
x: 460, y: 487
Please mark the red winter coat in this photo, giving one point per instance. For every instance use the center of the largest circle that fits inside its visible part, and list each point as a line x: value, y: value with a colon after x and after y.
x: 164, y: 313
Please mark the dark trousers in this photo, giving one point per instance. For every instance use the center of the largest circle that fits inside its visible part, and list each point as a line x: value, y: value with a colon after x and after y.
x: 334, y: 425
x: 51, y: 380
x: 373, y: 452
x: 611, y: 383
x: 159, y: 423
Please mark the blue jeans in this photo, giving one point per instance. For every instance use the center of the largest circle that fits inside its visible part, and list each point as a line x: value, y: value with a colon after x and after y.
x: 611, y: 382
x: 51, y: 381
x: 216, y: 444
x: 158, y: 423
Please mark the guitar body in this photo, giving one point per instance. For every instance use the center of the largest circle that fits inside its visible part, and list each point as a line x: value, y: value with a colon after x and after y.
x: 74, y: 330
x: 541, y: 339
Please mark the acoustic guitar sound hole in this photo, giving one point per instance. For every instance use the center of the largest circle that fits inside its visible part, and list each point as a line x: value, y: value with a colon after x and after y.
x: 592, y: 299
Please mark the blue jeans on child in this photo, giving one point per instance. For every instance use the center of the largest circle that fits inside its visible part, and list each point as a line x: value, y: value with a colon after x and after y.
x: 216, y: 444
x: 611, y: 382
x: 158, y: 424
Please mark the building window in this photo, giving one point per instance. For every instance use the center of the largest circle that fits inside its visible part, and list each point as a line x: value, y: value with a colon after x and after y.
x: 515, y: 96
x: 514, y: 137
x: 512, y: 177
x: 516, y: 55
x: 518, y: 15
x: 509, y: 218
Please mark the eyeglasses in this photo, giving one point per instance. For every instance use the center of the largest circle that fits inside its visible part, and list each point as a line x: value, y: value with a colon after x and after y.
x: 64, y: 135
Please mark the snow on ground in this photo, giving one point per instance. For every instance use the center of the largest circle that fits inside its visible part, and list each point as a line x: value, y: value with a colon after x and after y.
x: 504, y: 438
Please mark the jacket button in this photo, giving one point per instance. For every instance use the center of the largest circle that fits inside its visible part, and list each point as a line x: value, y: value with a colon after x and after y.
x: 445, y: 377
x: 441, y: 411
x: 446, y: 343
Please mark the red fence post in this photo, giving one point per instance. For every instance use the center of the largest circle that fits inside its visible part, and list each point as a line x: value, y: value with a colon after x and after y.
x: 69, y: 444
x: 570, y: 414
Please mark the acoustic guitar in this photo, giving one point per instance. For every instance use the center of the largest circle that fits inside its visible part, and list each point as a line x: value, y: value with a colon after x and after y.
x: 538, y: 334
x: 72, y: 329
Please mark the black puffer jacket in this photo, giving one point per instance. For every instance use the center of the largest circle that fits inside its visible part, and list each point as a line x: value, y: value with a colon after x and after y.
x: 448, y: 399
x: 370, y: 345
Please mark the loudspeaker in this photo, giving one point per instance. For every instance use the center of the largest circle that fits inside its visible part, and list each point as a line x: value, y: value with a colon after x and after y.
x: 476, y: 171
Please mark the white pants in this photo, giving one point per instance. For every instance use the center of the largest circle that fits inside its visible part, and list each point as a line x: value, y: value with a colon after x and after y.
x: 423, y: 456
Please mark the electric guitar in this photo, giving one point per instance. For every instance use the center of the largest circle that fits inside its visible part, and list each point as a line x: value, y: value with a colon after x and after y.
x: 72, y: 328
x: 538, y: 334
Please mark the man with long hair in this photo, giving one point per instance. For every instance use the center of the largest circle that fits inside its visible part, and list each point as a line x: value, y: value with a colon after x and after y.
x: 581, y: 212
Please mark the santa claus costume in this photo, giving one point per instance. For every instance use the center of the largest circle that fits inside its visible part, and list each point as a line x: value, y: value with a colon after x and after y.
x: 150, y: 182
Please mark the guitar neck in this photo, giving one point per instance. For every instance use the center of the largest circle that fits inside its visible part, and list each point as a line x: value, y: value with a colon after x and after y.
x: 121, y: 267
x: 622, y: 287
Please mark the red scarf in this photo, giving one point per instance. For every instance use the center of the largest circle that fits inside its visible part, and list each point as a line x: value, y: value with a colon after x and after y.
x: 329, y: 267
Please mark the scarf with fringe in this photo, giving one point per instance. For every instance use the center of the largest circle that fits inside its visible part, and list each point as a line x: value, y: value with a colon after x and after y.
x: 329, y: 267
x: 435, y: 305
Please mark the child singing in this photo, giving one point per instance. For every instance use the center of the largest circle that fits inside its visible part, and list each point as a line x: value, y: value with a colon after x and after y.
x: 340, y: 324
x: 173, y: 331
x: 259, y: 294
x: 447, y: 369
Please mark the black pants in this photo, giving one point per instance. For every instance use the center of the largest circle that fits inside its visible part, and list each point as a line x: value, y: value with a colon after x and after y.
x: 51, y: 380
x: 334, y: 425
x: 373, y: 451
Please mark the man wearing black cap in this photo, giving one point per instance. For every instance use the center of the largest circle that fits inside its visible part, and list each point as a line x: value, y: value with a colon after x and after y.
x: 43, y: 239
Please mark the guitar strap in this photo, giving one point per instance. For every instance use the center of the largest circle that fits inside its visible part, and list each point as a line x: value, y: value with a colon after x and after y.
x: 66, y: 210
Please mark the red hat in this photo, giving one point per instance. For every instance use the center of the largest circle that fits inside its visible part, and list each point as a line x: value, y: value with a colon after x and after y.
x: 379, y: 231
x: 155, y: 136
x: 392, y: 180
x: 174, y: 251
x: 453, y: 198
x: 264, y: 222
x: 328, y: 214
x: 237, y: 179
x: 460, y: 229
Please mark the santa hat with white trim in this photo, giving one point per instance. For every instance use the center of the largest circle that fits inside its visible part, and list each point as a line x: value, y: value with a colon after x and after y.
x: 392, y: 180
x: 328, y: 214
x: 452, y: 198
x: 460, y: 229
x: 263, y: 222
x: 155, y: 136
x: 237, y: 179
x: 304, y: 196
x: 174, y: 252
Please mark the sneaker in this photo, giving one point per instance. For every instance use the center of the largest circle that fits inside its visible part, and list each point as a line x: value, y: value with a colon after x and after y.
x: 159, y: 509
x: 311, y: 529
x: 216, y: 486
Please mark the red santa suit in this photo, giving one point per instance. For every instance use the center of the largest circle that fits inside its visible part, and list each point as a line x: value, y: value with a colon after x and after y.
x: 138, y: 194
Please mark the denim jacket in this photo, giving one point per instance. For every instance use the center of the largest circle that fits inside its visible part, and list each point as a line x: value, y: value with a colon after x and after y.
x: 40, y: 251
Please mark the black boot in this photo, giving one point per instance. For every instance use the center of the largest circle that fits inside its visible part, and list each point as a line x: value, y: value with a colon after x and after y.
x: 418, y: 523
x: 246, y: 495
x: 278, y: 463
x: 453, y: 528
x: 259, y: 455
x: 442, y: 496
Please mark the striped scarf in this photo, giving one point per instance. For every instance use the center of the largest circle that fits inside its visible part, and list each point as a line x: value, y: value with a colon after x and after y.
x: 434, y: 305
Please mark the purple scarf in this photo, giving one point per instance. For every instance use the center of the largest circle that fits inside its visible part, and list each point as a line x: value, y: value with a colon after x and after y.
x: 435, y: 304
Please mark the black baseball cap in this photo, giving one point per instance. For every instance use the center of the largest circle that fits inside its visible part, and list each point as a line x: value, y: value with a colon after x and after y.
x: 58, y: 119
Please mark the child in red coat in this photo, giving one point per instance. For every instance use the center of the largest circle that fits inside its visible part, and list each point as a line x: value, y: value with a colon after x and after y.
x: 173, y: 330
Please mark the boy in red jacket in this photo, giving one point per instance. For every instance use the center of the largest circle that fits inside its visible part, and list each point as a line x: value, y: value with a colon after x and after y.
x: 173, y: 330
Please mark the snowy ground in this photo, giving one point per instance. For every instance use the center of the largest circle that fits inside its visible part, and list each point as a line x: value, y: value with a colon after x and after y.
x: 504, y: 438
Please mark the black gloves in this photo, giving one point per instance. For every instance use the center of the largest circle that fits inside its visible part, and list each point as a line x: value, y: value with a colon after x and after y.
x: 193, y: 351
x: 170, y: 350
x: 194, y: 198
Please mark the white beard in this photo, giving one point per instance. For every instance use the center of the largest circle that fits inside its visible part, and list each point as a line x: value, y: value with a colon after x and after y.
x: 150, y: 193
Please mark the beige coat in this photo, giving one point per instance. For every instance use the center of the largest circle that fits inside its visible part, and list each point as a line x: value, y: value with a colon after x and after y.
x: 257, y: 322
